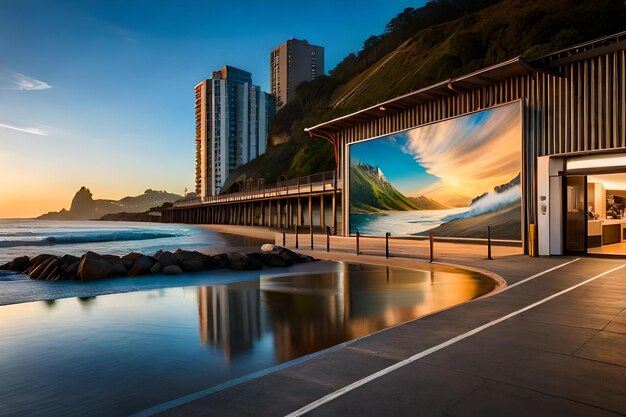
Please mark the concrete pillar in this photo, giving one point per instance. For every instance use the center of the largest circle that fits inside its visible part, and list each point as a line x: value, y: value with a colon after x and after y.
x: 300, y: 221
x: 334, y: 212
x: 322, y: 212
x: 269, y: 213
x: 279, y: 213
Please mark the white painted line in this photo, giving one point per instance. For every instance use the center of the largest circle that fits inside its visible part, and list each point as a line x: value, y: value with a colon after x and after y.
x: 508, y: 287
x: 333, y: 395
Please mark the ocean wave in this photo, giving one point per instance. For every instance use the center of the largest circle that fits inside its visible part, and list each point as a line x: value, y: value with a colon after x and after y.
x: 105, y: 236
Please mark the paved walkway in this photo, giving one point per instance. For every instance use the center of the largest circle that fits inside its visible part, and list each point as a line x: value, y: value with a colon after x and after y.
x: 554, y: 345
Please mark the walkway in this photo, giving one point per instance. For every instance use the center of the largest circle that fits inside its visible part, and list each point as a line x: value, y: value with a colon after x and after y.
x: 546, y: 348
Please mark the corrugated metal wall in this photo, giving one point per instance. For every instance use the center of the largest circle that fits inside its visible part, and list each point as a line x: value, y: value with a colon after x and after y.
x: 581, y: 110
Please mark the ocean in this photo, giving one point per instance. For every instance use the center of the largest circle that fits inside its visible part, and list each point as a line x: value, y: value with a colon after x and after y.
x: 401, y: 223
x: 19, y: 237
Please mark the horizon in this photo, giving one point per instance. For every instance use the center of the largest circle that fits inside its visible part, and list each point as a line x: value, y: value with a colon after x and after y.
x: 101, y: 94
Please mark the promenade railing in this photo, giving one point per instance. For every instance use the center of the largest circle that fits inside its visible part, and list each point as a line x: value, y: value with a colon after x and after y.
x: 321, y: 182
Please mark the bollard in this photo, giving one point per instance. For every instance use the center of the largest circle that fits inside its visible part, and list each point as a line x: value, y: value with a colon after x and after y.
x: 431, y: 237
x: 311, y: 232
x: 296, y: 236
x: 284, y: 240
x: 387, y: 245
x: 327, y: 238
x: 358, y: 252
x: 489, y: 243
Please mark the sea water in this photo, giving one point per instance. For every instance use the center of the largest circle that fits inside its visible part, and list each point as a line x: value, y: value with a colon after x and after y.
x: 32, y: 237
x: 401, y: 223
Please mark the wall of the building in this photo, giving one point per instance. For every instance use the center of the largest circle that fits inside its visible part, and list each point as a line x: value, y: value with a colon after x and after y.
x: 577, y: 107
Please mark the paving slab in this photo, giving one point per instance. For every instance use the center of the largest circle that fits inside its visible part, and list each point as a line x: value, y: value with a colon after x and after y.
x: 559, y: 358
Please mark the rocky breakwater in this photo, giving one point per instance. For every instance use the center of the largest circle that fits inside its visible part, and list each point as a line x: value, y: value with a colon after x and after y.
x: 92, y: 266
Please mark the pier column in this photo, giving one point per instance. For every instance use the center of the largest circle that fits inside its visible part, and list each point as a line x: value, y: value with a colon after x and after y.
x: 334, y: 212
x: 262, y: 218
x: 322, y: 213
x: 311, y: 212
x: 279, y: 213
x: 269, y: 213
x: 300, y: 221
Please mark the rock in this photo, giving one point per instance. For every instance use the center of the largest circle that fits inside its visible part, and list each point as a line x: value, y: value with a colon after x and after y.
x: 37, y: 261
x: 156, y: 268
x: 268, y: 247
x: 119, y: 270
x: 219, y: 261
x: 241, y: 262
x: 185, y: 255
x: 172, y: 270
x: 167, y: 258
x: 142, y: 266
x: 192, y: 266
x: 285, y: 253
x: 51, y: 270
x: 70, y: 271
x: 129, y: 260
x: 67, y: 260
x: 92, y: 255
x: 91, y: 269
x: 38, y: 271
x: 264, y: 258
x: 113, y: 259
x: 18, y: 264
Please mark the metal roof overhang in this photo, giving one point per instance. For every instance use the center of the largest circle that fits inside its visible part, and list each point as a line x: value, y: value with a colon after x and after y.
x: 490, y: 75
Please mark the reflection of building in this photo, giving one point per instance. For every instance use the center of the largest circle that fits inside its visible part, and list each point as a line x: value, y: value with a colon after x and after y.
x: 229, y: 316
x: 291, y: 63
x: 232, y: 118
x: 573, y: 121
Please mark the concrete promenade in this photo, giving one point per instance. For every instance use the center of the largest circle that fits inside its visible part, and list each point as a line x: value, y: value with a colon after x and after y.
x: 552, y: 343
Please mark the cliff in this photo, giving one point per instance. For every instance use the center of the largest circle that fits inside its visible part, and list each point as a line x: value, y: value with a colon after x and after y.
x: 371, y: 192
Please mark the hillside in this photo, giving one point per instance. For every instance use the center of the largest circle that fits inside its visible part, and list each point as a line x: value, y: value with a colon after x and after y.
x: 84, y: 207
x: 371, y: 192
x: 419, y: 47
x: 424, y: 203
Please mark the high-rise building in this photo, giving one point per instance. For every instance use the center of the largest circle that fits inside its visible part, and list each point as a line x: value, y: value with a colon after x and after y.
x: 232, y: 118
x: 291, y: 63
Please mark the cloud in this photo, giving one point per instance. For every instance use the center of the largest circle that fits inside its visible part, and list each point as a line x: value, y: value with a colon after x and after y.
x: 470, y: 155
x: 31, y: 130
x: 17, y: 81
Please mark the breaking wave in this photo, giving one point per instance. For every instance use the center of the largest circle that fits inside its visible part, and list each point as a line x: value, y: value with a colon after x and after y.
x: 91, y: 237
x: 491, y: 202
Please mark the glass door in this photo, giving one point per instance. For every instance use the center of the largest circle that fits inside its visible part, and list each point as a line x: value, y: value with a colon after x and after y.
x: 575, y: 213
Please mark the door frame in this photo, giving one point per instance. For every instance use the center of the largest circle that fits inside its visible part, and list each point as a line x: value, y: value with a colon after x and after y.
x: 564, y: 198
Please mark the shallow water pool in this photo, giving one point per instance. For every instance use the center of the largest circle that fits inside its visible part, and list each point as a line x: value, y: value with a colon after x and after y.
x: 123, y: 353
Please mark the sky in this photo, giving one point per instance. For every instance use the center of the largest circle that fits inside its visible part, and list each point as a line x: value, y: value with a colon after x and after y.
x: 453, y: 161
x: 100, y: 93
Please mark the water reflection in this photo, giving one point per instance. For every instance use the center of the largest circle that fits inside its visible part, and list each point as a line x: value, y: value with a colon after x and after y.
x: 131, y: 351
x: 307, y: 313
x: 229, y: 316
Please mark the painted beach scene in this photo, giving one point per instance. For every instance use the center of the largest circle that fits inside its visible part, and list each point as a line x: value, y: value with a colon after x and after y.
x: 453, y: 178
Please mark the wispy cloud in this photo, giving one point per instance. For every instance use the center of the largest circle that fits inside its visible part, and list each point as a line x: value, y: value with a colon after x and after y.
x: 17, y: 81
x: 31, y: 130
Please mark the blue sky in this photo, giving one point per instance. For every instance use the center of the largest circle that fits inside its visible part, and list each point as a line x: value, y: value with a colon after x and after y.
x: 399, y: 167
x: 100, y: 93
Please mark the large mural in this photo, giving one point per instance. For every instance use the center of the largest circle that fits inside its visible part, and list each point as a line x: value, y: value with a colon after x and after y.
x: 452, y: 178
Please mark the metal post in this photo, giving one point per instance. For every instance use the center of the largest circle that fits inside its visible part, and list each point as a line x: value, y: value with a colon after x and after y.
x: 296, y: 236
x: 311, y: 233
x: 431, y: 236
x: 489, y: 243
x: 284, y: 239
x: 358, y: 252
x: 387, y: 244
x: 327, y: 238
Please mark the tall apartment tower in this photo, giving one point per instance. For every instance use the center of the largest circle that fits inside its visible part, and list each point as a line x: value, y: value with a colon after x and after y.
x: 291, y: 63
x: 232, y: 118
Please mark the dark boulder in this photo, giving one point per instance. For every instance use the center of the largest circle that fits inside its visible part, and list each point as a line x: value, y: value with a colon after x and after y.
x: 239, y: 261
x: 167, y: 258
x: 141, y: 266
x: 186, y: 255
x: 219, y: 260
x: 37, y: 261
x: 51, y: 270
x: 285, y: 253
x: 19, y: 264
x: 92, y: 269
x: 129, y: 260
x: 192, y: 266
x: 172, y: 270
x: 119, y: 270
x: 156, y: 268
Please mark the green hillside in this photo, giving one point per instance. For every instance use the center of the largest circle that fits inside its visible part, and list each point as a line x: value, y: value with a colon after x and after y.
x: 424, y: 203
x: 419, y: 47
x: 371, y: 192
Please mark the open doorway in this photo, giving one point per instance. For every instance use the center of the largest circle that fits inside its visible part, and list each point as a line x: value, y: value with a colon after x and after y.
x: 606, y: 222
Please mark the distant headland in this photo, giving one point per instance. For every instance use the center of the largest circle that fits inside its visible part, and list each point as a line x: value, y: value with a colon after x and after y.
x: 84, y: 207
